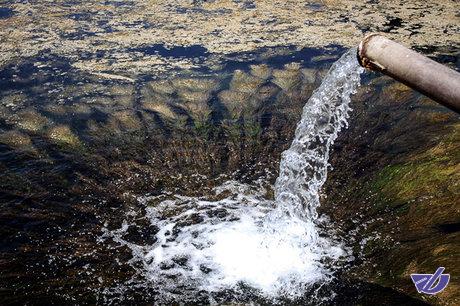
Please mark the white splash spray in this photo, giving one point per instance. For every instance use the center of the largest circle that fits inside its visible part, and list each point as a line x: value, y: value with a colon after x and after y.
x: 245, y: 239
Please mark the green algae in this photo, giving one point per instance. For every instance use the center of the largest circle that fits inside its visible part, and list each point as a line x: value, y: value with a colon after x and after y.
x: 423, y: 193
x: 432, y: 177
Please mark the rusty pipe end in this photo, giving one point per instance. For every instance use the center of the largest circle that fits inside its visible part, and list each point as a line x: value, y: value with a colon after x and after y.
x: 365, y: 61
x: 438, y: 82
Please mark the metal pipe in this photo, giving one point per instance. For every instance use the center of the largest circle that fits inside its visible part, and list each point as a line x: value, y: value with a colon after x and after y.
x: 432, y: 79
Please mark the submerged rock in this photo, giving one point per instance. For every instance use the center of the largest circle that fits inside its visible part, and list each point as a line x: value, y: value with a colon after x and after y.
x: 261, y: 71
x: 194, y: 96
x: 234, y: 101
x: 122, y: 94
x: 195, y: 84
x: 244, y: 82
x: 163, y: 87
x: 309, y: 75
x: 123, y: 120
x: 18, y: 140
x: 31, y: 121
x: 289, y: 77
x: 163, y: 104
x: 397, y: 93
x: 63, y: 135
x: 164, y: 109
x: 266, y: 92
x: 79, y: 110
x: 13, y: 100
x: 199, y: 111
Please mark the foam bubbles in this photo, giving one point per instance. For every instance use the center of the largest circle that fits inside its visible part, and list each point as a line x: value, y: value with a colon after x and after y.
x: 213, y: 246
x: 266, y: 260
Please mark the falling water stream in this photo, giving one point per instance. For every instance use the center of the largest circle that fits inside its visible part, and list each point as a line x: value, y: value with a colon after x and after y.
x: 242, y: 239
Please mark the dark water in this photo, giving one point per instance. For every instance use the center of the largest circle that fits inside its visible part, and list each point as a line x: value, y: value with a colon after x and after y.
x: 76, y: 151
x: 6, y: 12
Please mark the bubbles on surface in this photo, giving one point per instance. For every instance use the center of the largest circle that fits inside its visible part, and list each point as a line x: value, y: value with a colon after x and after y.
x: 227, y: 244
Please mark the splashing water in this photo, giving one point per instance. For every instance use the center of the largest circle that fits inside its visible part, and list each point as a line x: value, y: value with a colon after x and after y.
x: 244, y: 239
x: 303, y: 167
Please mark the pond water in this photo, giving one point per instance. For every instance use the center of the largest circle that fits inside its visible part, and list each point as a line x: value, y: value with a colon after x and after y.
x: 160, y: 189
x: 65, y: 135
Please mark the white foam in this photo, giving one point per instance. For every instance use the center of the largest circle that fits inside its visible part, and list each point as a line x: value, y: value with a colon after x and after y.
x: 239, y: 246
x: 265, y: 260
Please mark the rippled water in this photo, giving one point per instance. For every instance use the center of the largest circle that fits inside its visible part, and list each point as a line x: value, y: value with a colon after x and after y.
x: 244, y: 241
